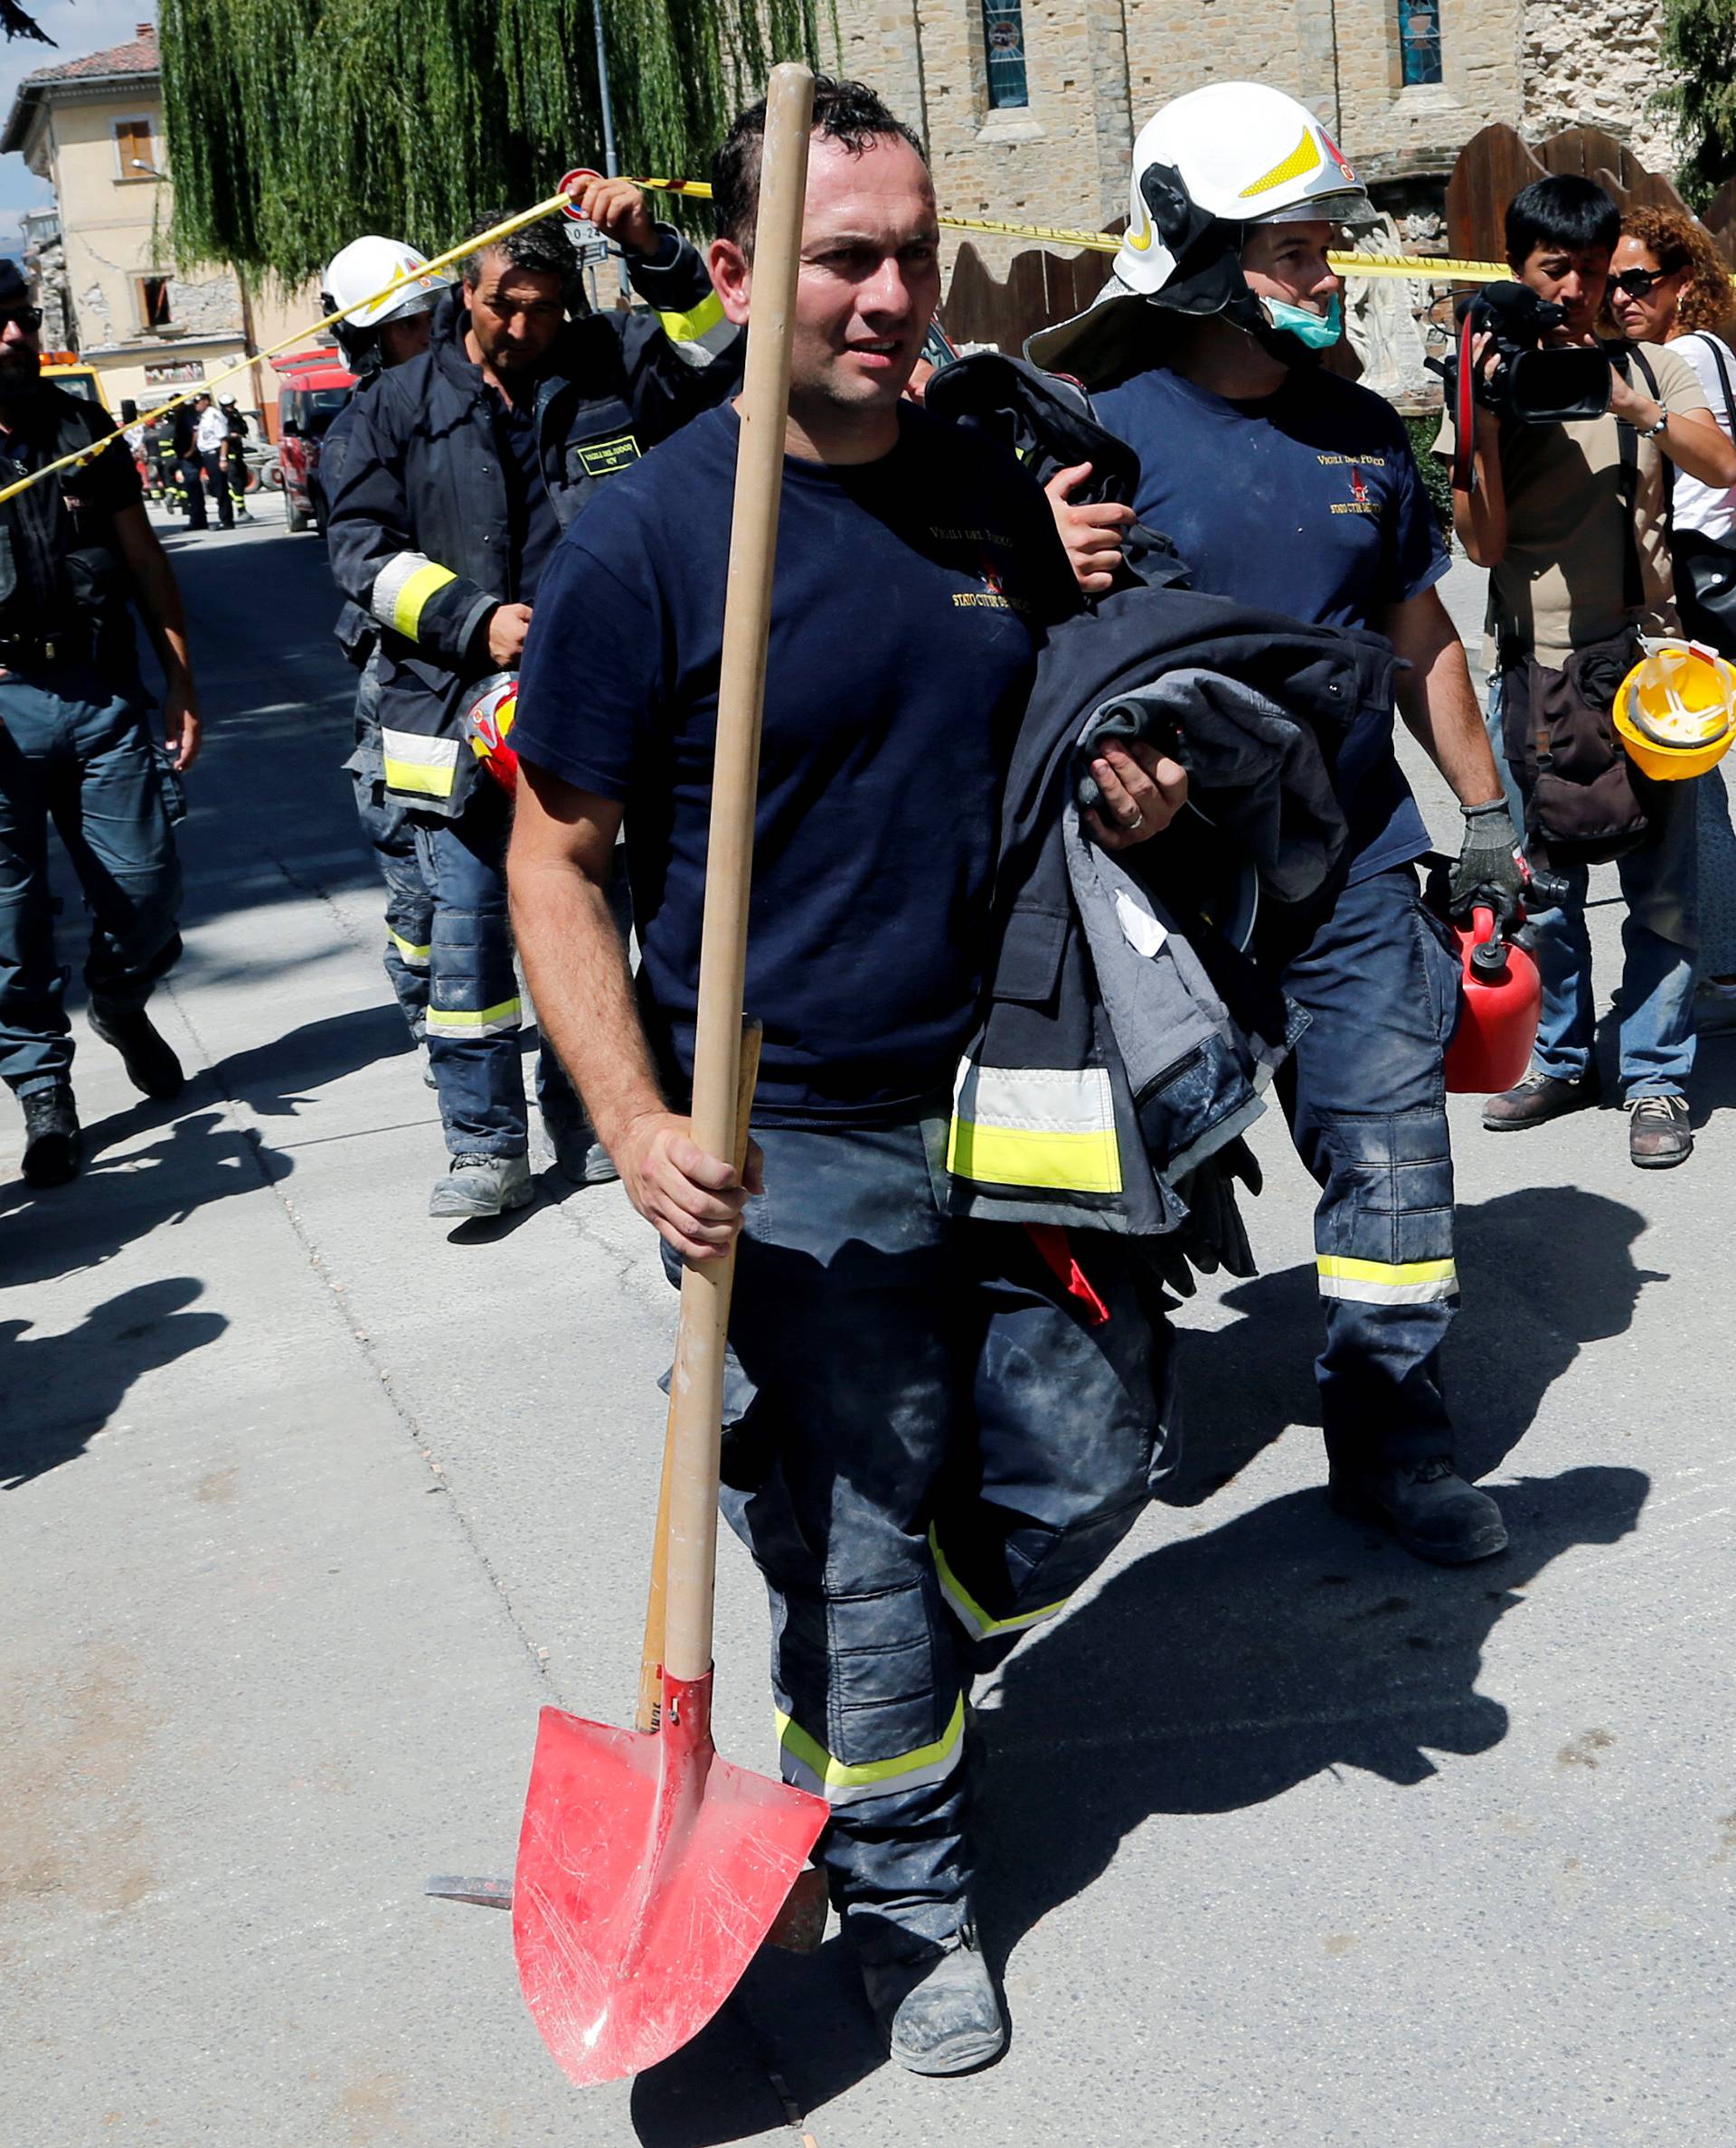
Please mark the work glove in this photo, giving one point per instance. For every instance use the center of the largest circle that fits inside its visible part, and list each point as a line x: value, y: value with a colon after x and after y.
x: 1488, y: 870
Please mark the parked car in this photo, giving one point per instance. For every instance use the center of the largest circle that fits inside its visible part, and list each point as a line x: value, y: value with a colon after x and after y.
x: 316, y: 385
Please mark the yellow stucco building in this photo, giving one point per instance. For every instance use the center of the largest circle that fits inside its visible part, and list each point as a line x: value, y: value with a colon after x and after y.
x: 108, y: 284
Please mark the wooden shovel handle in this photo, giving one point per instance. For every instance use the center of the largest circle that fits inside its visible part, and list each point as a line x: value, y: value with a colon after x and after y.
x: 650, y: 1708
x: 696, y: 1401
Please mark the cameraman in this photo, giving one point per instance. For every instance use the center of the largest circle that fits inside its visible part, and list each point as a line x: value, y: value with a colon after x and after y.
x: 1575, y: 534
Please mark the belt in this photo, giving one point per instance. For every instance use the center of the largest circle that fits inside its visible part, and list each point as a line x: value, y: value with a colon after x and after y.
x: 20, y: 651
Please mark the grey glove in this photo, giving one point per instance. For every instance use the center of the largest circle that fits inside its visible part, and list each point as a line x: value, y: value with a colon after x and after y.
x: 1488, y: 870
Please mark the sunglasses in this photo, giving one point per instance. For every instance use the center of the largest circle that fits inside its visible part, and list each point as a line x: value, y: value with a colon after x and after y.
x: 1639, y: 283
x: 27, y: 317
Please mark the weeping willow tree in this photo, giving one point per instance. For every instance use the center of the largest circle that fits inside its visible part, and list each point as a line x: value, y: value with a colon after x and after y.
x: 296, y: 125
x: 1700, y: 55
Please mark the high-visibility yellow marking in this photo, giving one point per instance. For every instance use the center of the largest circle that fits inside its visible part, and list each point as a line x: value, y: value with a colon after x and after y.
x: 1303, y: 158
x: 416, y: 957
x: 844, y: 1782
x: 1386, y: 1282
x: 409, y: 600
x: 697, y: 321
x: 419, y: 778
x: 1010, y: 1156
x: 475, y: 1021
x: 972, y: 1613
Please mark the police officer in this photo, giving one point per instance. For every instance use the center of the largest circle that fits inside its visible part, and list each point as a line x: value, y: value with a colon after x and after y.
x: 211, y: 448
x: 1283, y: 485
x: 75, y: 746
x: 460, y: 472
x: 375, y: 336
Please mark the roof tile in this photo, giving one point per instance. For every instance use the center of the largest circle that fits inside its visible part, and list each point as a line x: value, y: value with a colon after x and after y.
x: 139, y: 56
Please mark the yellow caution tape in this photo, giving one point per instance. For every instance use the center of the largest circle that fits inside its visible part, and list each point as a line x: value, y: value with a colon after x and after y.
x: 1428, y: 267
x: 484, y: 239
x: 1423, y: 267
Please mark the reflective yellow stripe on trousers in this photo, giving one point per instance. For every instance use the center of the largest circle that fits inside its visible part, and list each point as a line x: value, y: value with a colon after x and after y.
x: 807, y: 1764
x: 970, y: 1614
x: 1387, y: 1282
x: 1040, y: 1126
x: 474, y: 1021
x: 413, y: 957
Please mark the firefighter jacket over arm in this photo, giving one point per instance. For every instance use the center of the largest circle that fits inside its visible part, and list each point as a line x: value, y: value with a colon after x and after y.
x: 1126, y: 1041
x: 422, y: 531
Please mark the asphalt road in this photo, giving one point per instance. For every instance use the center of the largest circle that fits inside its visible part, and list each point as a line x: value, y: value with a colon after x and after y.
x: 308, y: 1502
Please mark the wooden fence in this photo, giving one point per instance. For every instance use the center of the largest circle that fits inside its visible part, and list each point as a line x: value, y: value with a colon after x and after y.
x: 1041, y: 287
x: 1495, y: 164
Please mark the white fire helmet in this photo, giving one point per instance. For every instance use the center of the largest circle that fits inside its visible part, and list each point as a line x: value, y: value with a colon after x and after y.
x: 364, y: 267
x: 1244, y: 152
x: 1205, y: 166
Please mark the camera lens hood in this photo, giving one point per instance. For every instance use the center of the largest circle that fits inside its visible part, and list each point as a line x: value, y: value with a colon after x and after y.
x: 1556, y: 387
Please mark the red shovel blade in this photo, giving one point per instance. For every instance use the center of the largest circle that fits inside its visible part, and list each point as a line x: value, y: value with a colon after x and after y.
x: 649, y: 1871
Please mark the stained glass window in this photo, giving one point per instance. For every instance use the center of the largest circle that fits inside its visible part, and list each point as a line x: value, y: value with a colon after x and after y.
x: 1419, y: 40
x: 1004, y: 43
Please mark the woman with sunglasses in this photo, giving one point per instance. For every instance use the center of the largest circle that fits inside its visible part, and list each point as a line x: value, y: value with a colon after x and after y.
x: 1668, y: 283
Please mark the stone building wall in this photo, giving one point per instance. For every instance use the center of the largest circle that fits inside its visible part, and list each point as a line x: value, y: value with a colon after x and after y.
x: 1597, y: 63
x: 1098, y: 69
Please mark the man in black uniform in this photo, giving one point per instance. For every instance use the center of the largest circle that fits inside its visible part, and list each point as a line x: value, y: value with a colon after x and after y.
x: 75, y: 746
x: 462, y: 468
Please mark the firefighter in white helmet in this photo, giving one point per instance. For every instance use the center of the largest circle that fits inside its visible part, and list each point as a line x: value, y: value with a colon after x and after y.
x: 1283, y: 484
x: 376, y: 332
x: 375, y: 335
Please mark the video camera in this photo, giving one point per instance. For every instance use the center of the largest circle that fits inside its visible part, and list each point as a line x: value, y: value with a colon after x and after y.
x: 1534, y: 382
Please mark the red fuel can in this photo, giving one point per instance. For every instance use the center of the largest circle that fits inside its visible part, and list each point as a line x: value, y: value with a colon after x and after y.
x: 1501, y: 1000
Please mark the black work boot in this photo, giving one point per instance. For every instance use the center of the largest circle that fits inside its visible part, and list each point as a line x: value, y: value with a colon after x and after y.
x: 150, y: 1064
x: 1539, y: 1098
x: 53, y: 1145
x: 1427, y: 1506
x: 937, y: 2011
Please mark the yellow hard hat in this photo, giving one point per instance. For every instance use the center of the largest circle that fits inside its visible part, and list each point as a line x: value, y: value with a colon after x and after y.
x: 1675, y: 711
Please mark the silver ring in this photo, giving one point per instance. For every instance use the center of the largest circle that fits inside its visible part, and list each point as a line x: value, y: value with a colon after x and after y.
x: 1138, y: 821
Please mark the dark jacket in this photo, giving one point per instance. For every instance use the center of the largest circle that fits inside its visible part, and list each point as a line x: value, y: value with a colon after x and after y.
x: 1124, y: 1041
x: 60, y: 566
x: 421, y: 528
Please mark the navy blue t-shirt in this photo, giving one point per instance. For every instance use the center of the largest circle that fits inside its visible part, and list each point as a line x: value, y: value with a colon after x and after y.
x: 1308, y: 501
x: 910, y: 599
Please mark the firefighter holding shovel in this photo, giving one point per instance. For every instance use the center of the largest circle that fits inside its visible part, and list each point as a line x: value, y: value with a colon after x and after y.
x: 942, y: 1444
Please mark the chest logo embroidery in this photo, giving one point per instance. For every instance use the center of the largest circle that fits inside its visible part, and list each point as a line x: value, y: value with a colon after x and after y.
x: 1362, y: 500
x: 994, y: 596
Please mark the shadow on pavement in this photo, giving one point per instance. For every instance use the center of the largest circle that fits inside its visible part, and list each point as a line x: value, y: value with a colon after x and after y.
x: 1213, y: 1674
x: 714, y: 2089
x: 274, y: 1078
x: 61, y: 1390
x: 1246, y: 1660
x: 1522, y: 1325
x: 116, y: 1200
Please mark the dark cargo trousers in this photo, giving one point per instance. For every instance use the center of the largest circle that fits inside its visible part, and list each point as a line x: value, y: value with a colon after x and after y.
x: 410, y: 905
x: 940, y: 1450
x: 475, y: 1011
x: 1365, y: 1095
x: 76, y: 753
